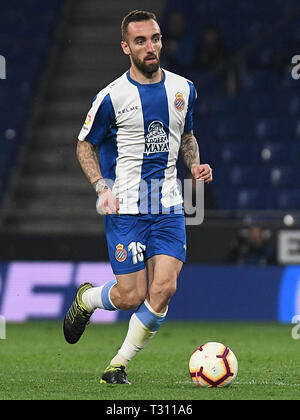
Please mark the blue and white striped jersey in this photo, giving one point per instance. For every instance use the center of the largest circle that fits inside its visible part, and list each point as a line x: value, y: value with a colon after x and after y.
x: 138, y: 128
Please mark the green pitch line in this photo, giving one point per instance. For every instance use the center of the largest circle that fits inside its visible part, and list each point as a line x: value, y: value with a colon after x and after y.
x: 36, y: 362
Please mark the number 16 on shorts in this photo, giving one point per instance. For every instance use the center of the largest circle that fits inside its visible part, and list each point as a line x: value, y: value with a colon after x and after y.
x: 137, y: 251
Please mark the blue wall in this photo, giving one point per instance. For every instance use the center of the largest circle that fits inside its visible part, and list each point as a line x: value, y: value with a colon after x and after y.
x: 44, y: 290
x: 235, y: 293
x: 227, y: 293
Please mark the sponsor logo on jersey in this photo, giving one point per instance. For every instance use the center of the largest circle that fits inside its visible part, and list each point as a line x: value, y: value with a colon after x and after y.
x: 179, y: 102
x: 88, y: 120
x: 120, y: 253
x: 157, y: 140
x: 128, y: 109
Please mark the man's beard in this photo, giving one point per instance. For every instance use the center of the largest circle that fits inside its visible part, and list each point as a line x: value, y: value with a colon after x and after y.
x: 146, y: 69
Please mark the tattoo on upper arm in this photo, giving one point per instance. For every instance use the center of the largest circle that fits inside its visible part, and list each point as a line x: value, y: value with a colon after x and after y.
x: 189, y: 149
x: 88, y: 159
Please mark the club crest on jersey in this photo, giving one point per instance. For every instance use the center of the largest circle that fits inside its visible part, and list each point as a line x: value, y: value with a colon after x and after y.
x: 179, y: 102
x: 120, y: 253
x: 157, y: 140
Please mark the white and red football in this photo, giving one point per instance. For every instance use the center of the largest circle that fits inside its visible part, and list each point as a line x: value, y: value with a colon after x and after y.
x: 213, y: 365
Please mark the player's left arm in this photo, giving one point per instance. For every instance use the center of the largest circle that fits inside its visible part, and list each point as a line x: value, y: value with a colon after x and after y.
x: 189, y: 151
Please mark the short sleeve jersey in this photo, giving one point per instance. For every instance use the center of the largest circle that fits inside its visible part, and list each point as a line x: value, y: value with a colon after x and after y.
x: 137, y: 129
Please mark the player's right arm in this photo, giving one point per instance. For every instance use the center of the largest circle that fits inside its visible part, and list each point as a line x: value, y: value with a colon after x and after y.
x: 107, y: 202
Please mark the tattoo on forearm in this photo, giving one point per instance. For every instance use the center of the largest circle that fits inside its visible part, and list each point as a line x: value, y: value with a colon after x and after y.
x: 189, y: 149
x: 87, y: 157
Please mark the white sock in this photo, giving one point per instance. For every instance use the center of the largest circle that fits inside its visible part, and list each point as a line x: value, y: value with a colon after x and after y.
x: 92, y: 298
x: 99, y: 297
x: 137, y: 337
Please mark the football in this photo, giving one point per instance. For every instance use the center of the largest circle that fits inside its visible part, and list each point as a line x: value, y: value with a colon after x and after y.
x: 213, y: 365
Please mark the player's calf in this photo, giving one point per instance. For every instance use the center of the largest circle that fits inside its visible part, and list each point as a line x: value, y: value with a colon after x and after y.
x: 160, y: 296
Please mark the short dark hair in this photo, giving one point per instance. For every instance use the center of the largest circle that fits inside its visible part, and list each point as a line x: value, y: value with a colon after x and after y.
x: 135, y: 16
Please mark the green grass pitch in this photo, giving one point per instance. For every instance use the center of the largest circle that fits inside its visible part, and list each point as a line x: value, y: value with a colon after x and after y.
x: 36, y: 362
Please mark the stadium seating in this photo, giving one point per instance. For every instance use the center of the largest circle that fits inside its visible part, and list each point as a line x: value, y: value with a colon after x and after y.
x: 289, y: 199
x: 250, y: 137
x: 26, y: 34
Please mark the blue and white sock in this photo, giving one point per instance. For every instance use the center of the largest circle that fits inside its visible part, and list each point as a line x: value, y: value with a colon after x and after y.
x: 99, y: 297
x: 143, y: 325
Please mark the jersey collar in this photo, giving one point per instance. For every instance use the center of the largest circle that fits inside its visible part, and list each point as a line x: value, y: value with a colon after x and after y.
x: 134, y: 82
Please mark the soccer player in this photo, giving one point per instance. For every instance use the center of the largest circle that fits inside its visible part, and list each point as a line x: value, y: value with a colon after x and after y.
x: 138, y: 124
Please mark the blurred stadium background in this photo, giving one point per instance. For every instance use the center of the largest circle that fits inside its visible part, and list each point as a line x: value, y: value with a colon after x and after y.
x: 59, y: 53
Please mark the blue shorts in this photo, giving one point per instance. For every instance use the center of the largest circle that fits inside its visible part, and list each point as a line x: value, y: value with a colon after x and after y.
x: 132, y: 239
